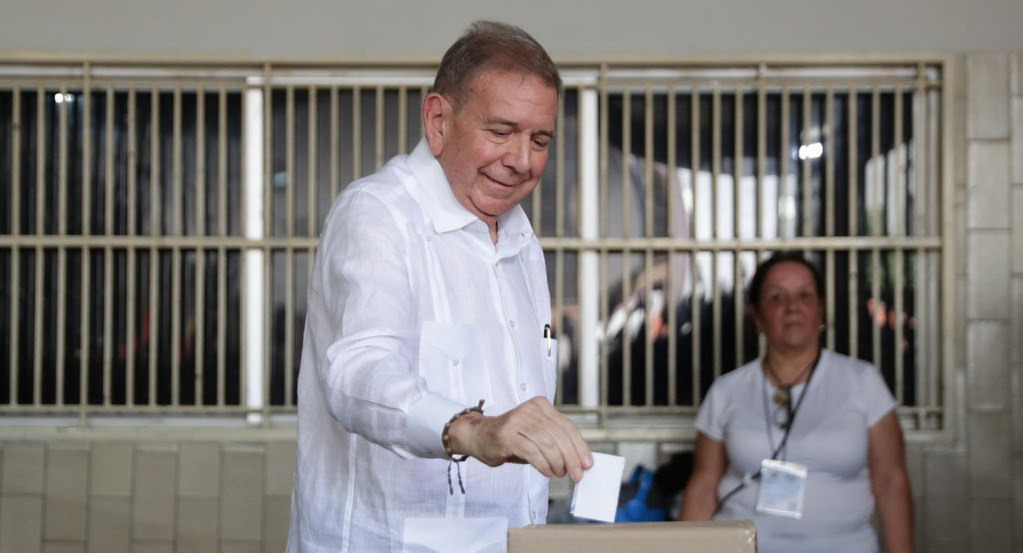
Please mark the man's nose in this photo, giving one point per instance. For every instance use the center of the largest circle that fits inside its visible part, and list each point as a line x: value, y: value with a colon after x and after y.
x: 518, y: 154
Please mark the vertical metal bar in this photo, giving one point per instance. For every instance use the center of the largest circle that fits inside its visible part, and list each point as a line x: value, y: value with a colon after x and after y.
x: 648, y: 208
x: 177, y: 230
x: 40, y: 230
x: 626, y: 288
x: 786, y: 200
x: 131, y: 338
x: 592, y: 189
x: 403, y: 119
x: 879, y: 163
x: 62, y: 229
x: 738, y: 168
x: 671, y: 289
x: 854, y: 219
x: 199, y: 312
x: 108, y: 253
x: 380, y: 128
x: 312, y: 154
x: 356, y: 132
x: 603, y: 307
x: 876, y: 208
x: 899, y: 213
x: 761, y: 216
x: 715, y: 202
x: 807, y: 164
x: 695, y: 298
x: 829, y: 212
x: 15, y: 326
x: 155, y: 230
x: 86, y: 285
x: 335, y: 143
x: 222, y: 232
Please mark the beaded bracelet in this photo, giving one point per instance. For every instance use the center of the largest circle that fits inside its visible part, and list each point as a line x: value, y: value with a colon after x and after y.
x: 445, y: 438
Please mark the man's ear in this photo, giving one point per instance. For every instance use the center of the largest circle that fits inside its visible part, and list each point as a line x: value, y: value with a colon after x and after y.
x: 437, y: 115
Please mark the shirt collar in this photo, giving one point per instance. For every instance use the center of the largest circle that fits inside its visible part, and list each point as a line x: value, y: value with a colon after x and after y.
x: 444, y: 211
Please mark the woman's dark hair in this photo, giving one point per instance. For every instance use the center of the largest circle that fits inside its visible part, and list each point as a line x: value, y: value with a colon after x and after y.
x: 492, y: 45
x: 757, y: 284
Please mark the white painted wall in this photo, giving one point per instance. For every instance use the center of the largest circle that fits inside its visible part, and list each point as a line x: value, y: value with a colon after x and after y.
x: 324, y: 29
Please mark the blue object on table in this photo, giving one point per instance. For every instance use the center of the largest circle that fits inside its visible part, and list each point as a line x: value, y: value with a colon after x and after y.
x: 636, y: 509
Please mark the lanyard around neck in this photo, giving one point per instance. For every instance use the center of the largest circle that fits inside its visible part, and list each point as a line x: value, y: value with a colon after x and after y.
x: 792, y: 410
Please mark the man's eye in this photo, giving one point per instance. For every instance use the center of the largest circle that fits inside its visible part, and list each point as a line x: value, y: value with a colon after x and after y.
x: 541, y: 143
x: 499, y: 134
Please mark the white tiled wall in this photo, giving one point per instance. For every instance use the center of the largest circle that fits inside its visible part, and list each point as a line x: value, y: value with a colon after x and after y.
x: 234, y: 496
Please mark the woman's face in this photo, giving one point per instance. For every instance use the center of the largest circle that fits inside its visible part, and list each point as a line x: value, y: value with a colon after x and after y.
x: 790, y: 312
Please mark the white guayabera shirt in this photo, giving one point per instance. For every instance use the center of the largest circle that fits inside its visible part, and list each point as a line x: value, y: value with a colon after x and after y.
x: 413, y: 315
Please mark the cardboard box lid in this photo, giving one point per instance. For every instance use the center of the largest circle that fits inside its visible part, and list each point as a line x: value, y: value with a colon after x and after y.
x: 641, y: 537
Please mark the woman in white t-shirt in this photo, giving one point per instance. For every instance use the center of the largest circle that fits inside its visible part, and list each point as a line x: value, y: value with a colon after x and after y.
x: 803, y: 441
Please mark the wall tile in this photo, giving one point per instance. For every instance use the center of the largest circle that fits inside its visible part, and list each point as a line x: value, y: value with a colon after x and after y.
x: 987, y: 90
x: 991, y: 524
x: 1016, y: 245
x: 241, y: 508
x: 200, y: 470
x: 987, y: 181
x: 278, y: 521
x: 153, y: 497
x: 21, y: 523
x: 109, y: 524
x: 959, y: 141
x: 988, y: 280
x: 110, y: 469
x: 139, y: 546
x: 23, y: 468
x: 197, y: 524
x: 1016, y: 78
x: 234, y: 546
x: 67, y: 477
x: 1017, y: 141
x: 946, y: 521
x: 64, y: 547
x: 991, y: 459
x: 915, y: 468
x: 946, y: 476
x: 989, y: 374
x: 946, y: 546
x: 1018, y: 495
x: 280, y: 467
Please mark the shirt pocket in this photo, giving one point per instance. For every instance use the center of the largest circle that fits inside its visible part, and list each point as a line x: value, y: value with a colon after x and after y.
x: 452, y: 361
x: 549, y: 361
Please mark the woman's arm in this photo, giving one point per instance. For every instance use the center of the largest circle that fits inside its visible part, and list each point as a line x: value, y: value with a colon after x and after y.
x: 890, y: 483
x: 700, y: 498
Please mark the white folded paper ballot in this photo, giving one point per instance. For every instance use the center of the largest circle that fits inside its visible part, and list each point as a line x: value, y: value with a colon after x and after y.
x: 596, y: 495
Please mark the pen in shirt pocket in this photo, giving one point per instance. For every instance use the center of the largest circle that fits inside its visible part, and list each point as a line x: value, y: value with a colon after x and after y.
x: 548, y: 335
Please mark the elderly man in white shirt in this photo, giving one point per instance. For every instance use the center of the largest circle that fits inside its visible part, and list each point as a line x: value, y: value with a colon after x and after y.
x: 428, y: 306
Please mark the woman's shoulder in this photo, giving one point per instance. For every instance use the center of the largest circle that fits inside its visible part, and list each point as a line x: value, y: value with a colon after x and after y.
x: 853, y: 371
x: 740, y: 376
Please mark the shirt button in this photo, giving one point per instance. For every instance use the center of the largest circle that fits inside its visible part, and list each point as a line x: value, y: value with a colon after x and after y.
x: 534, y: 515
x: 454, y: 362
x: 511, y: 323
x: 522, y: 386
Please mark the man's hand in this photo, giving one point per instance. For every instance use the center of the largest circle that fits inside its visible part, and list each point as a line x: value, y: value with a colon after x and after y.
x: 534, y: 432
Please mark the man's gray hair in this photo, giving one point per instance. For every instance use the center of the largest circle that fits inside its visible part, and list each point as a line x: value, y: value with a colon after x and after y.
x: 492, y: 45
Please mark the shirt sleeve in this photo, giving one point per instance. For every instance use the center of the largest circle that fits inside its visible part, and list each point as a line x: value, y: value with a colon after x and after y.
x: 877, y: 398
x: 370, y: 324
x: 710, y: 420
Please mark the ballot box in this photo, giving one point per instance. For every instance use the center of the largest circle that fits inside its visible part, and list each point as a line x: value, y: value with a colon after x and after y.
x: 636, y: 537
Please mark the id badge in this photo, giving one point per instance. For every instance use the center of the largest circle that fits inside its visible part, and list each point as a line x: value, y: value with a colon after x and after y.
x: 782, y: 486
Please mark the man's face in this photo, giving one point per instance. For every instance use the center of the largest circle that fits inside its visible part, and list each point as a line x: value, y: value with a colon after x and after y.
x: 493, y: 149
